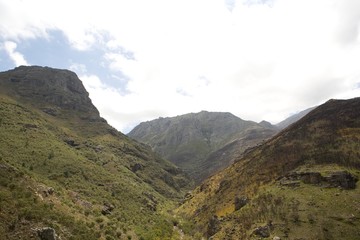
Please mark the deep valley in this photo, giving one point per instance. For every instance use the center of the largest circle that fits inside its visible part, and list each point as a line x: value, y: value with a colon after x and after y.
x: 65, y: 173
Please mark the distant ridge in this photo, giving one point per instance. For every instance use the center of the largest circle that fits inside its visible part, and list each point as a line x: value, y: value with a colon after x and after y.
x: 201, y: 143
x: 293, y: 118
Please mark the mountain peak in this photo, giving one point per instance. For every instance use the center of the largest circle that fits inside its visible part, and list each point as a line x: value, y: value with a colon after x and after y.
x: 50, y: 89
x: 201, y: 143
x: 266, y: 124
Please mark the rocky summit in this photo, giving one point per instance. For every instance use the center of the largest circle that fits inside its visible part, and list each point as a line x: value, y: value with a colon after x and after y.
x: 49, y: 89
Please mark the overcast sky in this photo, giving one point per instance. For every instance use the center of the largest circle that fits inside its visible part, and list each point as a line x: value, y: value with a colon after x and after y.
x: 144, y: 59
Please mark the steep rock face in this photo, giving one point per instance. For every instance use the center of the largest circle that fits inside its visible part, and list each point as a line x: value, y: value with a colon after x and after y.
x: 304, y: 181
x: 200, y: 143
x: 44, y: 85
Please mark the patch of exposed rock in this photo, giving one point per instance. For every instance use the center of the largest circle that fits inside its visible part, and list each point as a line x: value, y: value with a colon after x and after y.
x: 263, y: 231
x: 341, y: 179
x: 213, y: 226
x: 107, y: 208
x: 51, y: 89
x: 47, y: 233
x: 240, y: 202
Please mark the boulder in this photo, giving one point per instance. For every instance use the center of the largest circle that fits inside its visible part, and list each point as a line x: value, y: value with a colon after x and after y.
x: 45, y: 191
x: 213, y: 226
x: 262, y: 231
x: 342, y: 179
x: 151, y: 206
x: 50, y: 111
x: 150, y: 201
x: 240, y: 202
x: 136, y: 167
x: 50, y: 190
x: 71, y: 142
x: 188, y: 196
x: 46, y: 233
x: 107, y: 208
x: 224, y: 184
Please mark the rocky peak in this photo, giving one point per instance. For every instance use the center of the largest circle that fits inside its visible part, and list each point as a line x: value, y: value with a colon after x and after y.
x: 47, y: 87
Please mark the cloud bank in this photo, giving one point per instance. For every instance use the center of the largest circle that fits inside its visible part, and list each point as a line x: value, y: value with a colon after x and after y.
x: 256, y: 59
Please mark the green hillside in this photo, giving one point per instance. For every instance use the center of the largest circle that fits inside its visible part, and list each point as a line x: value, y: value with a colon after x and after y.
x: 62, y: 166
x: 301, y: 184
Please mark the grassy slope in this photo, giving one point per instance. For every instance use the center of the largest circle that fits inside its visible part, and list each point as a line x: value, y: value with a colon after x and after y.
x: 34, y: 156
x: 326, y: 140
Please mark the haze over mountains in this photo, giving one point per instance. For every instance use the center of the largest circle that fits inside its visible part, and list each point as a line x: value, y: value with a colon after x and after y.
x: 67, y: 174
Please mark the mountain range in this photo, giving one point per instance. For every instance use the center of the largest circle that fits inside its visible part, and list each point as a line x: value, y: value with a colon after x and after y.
x: 203, y: 143
x: 65, y: 173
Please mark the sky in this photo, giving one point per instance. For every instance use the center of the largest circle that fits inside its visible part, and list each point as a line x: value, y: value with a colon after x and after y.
x: 144, y: 59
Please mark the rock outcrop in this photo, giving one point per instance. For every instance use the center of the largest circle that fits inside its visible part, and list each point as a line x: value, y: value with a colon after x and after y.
x: 107, y: 208
x: 240, y: 202
x: 262, y: 231
x: 52, y: 90
x: 341, y: 179
x: 213, y: 226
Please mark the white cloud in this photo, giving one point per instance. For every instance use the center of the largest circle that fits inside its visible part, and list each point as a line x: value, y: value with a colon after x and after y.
x: 16, y: 57
x: 256, y: 59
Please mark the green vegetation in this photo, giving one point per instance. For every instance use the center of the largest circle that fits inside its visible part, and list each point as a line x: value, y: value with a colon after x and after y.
x: 83, y: 180
x: 66, y: 168
x: 62, y: 166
